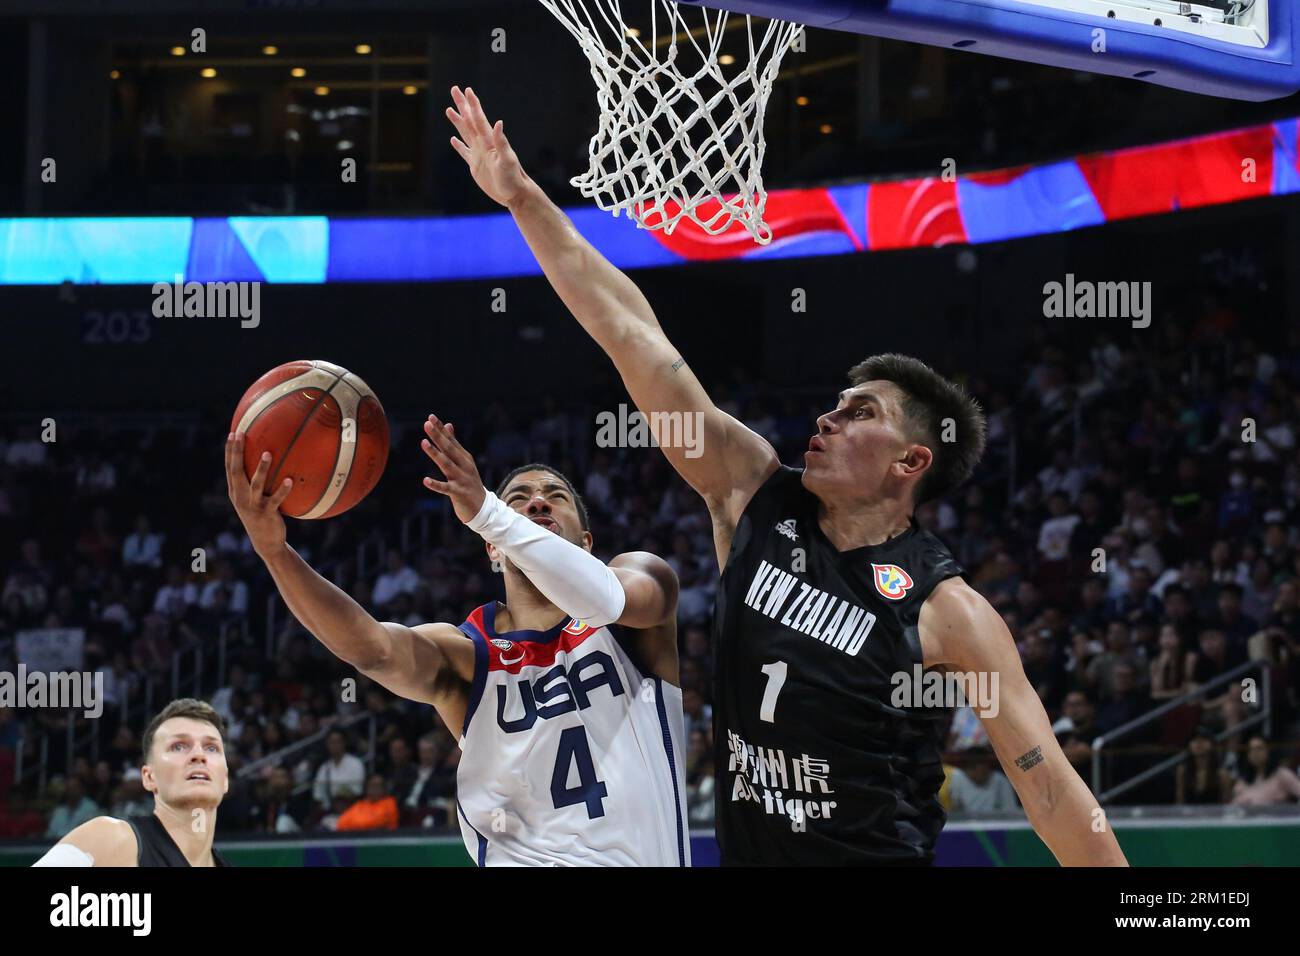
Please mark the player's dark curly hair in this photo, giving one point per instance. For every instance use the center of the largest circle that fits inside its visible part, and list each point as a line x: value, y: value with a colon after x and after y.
x: 538, y: 466
x: 930, y: 400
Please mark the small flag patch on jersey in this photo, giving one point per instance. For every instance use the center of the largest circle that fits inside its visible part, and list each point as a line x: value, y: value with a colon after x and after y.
x: 891, y: 581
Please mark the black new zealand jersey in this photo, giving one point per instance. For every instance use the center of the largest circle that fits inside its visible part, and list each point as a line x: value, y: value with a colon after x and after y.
x: 815, y: 763
x: 156, y: 846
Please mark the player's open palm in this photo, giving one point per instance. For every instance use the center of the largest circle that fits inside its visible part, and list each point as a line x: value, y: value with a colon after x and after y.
x: 484, y: 147
x: 462, y: 485
x: 259, y: 511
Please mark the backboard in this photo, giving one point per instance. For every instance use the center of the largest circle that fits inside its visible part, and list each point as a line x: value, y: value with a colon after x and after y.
x: 1241, y: 49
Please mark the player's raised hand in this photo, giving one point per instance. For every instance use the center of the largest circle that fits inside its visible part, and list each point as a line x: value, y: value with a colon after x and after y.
x: 259, y: 511
x: 463, y: 485
x: 484, y: 147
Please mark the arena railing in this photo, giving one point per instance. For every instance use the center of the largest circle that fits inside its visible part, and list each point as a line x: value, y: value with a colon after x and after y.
x: 278, y: 757
x: 253, y: 769
x: 136, y: 703
x: 1262, y: 716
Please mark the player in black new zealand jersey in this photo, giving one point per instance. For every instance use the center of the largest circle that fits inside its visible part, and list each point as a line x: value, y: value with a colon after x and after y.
x: 185, y: 770
x: 819, y: 765
x: 834, y: 610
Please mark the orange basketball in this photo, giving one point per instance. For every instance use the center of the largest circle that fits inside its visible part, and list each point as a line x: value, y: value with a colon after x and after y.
x: 324, y: 428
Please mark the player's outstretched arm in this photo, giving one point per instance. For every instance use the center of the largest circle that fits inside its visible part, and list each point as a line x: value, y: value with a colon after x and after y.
x: 637, y: 589
x: 420, y: 664
x: 961, y: 630
x: 103, y: 841
x: 726, y: 462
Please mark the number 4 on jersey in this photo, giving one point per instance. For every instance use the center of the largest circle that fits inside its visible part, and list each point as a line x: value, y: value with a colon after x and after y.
x: 573, y: 746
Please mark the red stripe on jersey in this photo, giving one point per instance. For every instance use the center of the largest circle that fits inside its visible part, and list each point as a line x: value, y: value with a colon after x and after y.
x: 476, y: 618
x: 516, y: 655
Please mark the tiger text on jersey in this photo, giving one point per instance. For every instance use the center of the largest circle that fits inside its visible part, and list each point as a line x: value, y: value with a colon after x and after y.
x: 762, y: 776
x: 819, y: 614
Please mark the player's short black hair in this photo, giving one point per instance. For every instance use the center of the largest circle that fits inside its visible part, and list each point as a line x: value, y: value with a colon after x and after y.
x: 929, y: 400
x: 538, y: 466
x: 183, y: 707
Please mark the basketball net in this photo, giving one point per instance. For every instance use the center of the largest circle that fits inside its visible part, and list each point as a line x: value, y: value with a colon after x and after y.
x: 677, y: 138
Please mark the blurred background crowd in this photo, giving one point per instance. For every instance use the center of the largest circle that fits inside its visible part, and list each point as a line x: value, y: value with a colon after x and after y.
x: 1134, y: 522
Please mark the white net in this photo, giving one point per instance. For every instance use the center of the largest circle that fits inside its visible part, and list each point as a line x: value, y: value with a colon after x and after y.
x: 678, y: 138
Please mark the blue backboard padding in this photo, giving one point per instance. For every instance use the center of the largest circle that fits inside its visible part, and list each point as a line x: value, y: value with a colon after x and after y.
x: 468, y: 247
x: 286, y: 248
x: 851, y: 201
x: 1053, y: 198
x: 1286, y: 179
x: 806, y: 244
x: 217, y: 254
x: 993, y: 207
x: 607, y: 232
x: 90, y: 251
x: 1019, y: 31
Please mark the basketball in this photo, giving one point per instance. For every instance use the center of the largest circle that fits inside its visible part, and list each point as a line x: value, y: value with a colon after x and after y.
x: 324, y: 428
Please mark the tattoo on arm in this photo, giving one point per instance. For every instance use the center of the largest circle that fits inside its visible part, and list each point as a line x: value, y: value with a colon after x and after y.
x: 678, y: 364
x: 1034, y: 757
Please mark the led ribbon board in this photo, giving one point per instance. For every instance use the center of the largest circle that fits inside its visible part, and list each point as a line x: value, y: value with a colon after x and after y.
x: 1241, y: 49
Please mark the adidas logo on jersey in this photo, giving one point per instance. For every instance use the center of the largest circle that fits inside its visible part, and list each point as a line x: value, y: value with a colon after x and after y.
x: 786, y: 528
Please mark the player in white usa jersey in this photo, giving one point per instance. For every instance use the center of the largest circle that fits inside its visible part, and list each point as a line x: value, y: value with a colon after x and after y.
x: 571, y: 753
x: 572, y: 742
x: 565, y: 696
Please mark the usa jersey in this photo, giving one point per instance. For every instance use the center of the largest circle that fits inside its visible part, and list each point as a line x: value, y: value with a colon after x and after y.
x: 570, y: 754
x: 815, y: 762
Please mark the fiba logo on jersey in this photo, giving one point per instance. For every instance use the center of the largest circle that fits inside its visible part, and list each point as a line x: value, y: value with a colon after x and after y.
x: 501, y: 645
x: 891, y: 581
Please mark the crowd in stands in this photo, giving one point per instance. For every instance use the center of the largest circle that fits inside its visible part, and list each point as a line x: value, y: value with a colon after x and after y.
x: 1134, y: 522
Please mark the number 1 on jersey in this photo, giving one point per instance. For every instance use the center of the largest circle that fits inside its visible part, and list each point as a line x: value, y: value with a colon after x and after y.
x: 775, y: 681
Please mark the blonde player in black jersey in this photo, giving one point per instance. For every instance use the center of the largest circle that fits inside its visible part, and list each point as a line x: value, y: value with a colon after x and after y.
x: 185, y: 770
x: 875, y: 456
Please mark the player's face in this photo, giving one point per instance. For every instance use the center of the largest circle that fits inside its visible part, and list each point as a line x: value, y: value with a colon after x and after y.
x: 547, y: 501
x: 187, y: 767
x: 861, y: 449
